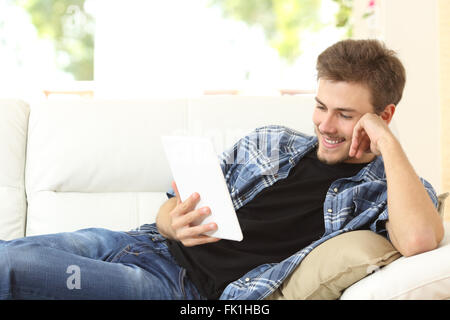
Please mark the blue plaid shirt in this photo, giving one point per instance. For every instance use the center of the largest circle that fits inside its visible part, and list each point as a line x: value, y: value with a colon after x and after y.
x: 265, y: 156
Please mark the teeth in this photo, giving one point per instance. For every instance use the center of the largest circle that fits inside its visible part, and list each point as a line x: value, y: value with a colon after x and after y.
x: 333, y: 141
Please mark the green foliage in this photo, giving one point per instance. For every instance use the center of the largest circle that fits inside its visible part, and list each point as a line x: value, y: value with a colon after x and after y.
x: 343, y: 15
x: 70, y: 28
x: 283, y: 20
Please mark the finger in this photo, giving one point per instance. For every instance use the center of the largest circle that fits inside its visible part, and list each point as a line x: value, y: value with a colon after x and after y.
x: 364, y: 146
x: 199, y: 240
x: 193, y: 232
x: 355, y: 140
x: 175, y: 189
x: 186, y: 206
x: 194, y: 216
x: 359, y: 144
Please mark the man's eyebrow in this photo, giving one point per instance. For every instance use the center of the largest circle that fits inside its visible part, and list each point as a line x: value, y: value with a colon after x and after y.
x: 339, y: 109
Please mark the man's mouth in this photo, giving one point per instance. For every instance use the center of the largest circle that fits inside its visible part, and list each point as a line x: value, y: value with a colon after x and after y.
x: 332, y: 142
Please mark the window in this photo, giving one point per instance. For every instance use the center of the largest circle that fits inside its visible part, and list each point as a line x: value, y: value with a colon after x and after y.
x: 140, y: 48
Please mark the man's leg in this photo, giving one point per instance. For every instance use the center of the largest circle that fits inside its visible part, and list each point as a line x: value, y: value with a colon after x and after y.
x: 91, y: 264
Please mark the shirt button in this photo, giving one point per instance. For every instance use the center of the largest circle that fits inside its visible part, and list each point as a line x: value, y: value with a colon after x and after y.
x: 247, y: 279
x: 330, y: 210
x: 335, y: 190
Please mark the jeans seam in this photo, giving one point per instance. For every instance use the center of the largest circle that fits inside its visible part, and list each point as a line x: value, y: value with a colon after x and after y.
x: 181, y: 278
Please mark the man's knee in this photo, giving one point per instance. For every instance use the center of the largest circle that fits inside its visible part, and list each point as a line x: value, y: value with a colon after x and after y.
x: 12, y: 258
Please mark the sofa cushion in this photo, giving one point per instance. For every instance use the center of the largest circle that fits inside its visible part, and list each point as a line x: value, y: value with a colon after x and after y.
x: 335, y: 265
x: 70, y: 211
x: 98, y: 163
x: 13, y: 138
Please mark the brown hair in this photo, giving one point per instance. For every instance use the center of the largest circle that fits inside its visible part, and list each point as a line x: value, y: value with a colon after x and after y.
x: 367, y: 62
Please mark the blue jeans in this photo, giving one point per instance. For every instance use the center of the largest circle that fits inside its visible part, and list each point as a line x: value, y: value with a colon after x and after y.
x: 93, y: 264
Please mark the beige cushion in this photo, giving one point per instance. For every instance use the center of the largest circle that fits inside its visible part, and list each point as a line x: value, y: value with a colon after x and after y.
x: 335, y: 265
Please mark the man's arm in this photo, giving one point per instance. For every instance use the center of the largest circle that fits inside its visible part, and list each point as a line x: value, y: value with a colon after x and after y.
x: 414, y: 225
x: 175, y: 220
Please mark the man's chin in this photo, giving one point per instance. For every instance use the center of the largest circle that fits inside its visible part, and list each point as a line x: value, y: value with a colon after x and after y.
x: 332, y: 159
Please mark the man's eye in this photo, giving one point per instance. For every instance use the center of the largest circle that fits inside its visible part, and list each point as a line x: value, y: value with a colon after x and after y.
x: 320, y: 107
x: 346, y: 117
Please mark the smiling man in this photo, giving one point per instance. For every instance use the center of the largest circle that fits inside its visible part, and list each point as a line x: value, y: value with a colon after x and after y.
x: 352, y: 175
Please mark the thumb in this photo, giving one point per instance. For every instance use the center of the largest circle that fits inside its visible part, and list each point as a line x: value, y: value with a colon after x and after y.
x: 175, y: 189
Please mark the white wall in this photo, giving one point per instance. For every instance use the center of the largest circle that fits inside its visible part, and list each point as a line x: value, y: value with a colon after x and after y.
x: 411, y: 29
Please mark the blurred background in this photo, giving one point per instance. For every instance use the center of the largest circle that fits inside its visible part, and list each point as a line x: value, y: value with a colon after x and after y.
x: 170, y: 47
x: 55, y: 49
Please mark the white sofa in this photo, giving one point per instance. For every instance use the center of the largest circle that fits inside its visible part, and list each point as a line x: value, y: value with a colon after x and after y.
x: 71, y: 164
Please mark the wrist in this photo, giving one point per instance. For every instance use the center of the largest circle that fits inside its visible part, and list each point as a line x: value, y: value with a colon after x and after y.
x: 164, y: 220
x: 388, y: 142
x: 161, y: 228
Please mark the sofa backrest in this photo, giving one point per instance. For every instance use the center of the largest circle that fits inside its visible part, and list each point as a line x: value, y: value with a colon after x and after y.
x: 100, y: 163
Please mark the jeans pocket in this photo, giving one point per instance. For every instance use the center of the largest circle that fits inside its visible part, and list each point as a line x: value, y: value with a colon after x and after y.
x: 132, y: 250
x: 147, y: 232
x: 116, y: 257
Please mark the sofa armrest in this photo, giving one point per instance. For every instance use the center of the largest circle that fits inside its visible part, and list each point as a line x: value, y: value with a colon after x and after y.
x: 13, y: 138
x: 423, y: 276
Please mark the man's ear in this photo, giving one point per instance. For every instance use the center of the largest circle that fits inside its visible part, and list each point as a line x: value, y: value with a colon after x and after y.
x: 388, y: 113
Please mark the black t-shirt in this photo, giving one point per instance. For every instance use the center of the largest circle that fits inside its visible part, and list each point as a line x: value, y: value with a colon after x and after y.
x: 281, y: 220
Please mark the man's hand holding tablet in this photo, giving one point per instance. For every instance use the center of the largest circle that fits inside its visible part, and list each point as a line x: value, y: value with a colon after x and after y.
x: 185, y: 219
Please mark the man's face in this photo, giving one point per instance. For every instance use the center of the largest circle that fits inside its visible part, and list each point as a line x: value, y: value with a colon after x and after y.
x: 339, y: 106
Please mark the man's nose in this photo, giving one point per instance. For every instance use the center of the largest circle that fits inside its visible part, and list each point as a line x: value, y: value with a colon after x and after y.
x: 327, y: 125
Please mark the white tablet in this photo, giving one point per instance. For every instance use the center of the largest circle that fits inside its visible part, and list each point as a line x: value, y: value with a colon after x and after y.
x: 195, y: 168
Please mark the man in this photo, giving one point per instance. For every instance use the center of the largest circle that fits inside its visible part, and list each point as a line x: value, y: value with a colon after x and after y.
x: 336, y: 176
x: 348, y: 177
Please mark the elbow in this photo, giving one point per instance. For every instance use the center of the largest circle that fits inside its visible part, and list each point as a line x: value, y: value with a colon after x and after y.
x: 421, y: 243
